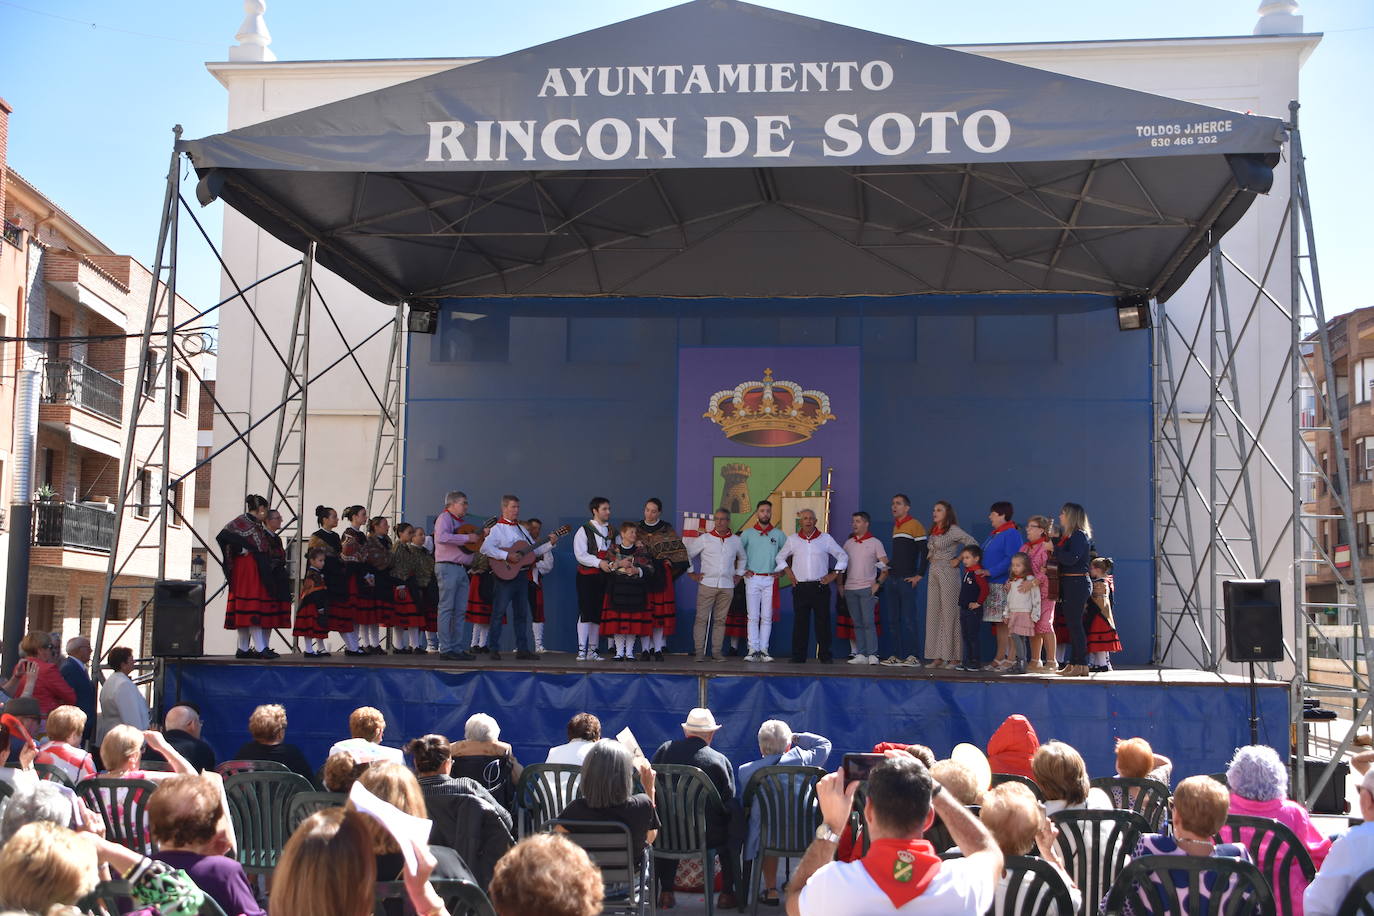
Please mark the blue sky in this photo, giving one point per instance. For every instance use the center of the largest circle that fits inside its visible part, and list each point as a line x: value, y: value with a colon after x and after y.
x: 96, y: 86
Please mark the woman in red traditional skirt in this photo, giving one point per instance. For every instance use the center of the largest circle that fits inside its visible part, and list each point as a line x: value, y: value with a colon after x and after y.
x: 336, y: 579
x: 377, y: 558
x: 408, y: 617
x: 625, y: 613
x: 670, y: 561
x: 427, y: 584
x: 357, y: 607
x: 1098, y: 621
x: 479, y: 602
x: 252, y: 608
x: 536, y: 574
x: 312, y: 617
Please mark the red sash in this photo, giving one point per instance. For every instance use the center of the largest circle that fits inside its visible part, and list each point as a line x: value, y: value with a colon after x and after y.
x: 814, y: 534
x: 902, y: 869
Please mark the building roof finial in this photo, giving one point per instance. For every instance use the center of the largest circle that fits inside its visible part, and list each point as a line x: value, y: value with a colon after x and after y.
x: 252, y: 34
x: 1278, y: 17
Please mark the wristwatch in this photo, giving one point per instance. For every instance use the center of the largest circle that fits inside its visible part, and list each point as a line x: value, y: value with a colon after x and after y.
x: 826, y: 835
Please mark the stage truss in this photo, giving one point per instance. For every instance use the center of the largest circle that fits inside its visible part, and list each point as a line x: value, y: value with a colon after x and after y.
x: 1207, y: 481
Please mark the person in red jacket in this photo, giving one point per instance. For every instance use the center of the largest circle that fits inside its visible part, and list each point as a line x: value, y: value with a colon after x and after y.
x: 1012, y: 746
x: 51, y: 689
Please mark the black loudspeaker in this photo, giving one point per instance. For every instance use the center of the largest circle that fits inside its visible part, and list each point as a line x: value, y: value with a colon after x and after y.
x: 178, y: 618
x: 1254, y: 620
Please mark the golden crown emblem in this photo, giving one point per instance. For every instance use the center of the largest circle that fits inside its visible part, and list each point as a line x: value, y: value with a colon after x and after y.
x: 767, y: 413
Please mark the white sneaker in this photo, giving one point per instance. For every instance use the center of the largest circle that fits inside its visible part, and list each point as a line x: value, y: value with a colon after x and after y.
x: 859, y: 660
x: 752, y: 657
x: 765, y: 657
x: 581, y: 655
x: 539, y: 650
x: 872, y: 660
x: 593, y: 657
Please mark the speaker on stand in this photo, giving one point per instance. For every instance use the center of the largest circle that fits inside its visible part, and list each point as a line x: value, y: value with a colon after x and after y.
x: 178, y: 623
x: 1254, y: 630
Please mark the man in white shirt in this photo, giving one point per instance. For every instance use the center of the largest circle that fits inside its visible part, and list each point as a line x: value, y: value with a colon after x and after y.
x: 367, y: 726
x: 511, y: 595
x: 591, y: 545
x: 901, y: 872
x: 722, y: 568
x: 1350, y: 856
x: 584, y: 730
x: 806, y: 556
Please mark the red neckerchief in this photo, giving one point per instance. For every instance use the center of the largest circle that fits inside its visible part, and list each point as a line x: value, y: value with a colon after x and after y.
x: 724, y: 537
x: 814, y: 534
x: 457, y: 519
x: 504, y: 521
x: 1063, y: 539
x: 1036, y: 541
x: 938, y: 529
x: 761, y: 529
x: 1005, y: 526
x: 899, y: 522
x: 856, y: 538
x: 902, y: 869
x: 974, y: 568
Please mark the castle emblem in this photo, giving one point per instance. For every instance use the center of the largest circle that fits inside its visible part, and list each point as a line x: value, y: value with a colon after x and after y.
x: 769, y: 414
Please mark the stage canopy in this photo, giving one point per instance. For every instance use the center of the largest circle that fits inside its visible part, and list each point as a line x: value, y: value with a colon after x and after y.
x: 723, y: 149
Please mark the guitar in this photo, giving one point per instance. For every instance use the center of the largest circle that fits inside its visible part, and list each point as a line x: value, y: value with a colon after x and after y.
x: 477, y: 535
x: 524, y: 551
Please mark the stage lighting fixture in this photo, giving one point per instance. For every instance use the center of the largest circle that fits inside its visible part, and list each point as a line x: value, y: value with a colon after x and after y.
x: 423, y: 318
x: 1132, y: 313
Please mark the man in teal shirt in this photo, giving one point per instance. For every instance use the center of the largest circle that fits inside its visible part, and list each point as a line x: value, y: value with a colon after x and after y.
x: 761, y: 545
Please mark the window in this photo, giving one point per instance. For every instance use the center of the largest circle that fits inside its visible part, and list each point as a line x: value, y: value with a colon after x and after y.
x: 149, y: 373
x: 1364, y: 527
x: 49, y: 466
x: 145, y: 493
x: 174, y: 505
x: 1363, y: 468
x: 54, y: 330
x: 183, y: 383
x: 1364, y: 378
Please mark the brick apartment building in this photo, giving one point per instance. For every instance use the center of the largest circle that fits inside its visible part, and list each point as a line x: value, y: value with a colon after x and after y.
x: 78, y: 301
x: 1352, y: 357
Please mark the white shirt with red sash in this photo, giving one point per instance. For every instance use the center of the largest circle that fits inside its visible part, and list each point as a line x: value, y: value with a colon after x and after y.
x: 898, y: 877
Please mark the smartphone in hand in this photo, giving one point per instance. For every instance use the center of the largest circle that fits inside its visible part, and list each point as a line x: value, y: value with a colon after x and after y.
x: 858, y: 766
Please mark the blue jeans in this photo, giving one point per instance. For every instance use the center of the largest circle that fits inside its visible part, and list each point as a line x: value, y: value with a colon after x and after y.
x: 454, y: 630
x: 511, y: 597
x: 900, y: 614
x: 860, y: 602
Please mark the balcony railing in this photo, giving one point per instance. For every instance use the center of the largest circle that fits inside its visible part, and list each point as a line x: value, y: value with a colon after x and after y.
x: 72, y: 525
x: 70, y: 381
x: 14, y: 235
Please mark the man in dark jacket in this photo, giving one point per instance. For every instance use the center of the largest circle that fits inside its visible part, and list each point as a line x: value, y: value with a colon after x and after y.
x: 467, y: 819
x: 74, y: 671
x: 181, y: 728
x: 694, y: 749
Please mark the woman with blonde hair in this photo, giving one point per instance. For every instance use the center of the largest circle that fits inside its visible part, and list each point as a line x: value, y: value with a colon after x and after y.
x: 1017, y: 823
x: 122, y: 753
x: 1072, y: 550
x: 62, y: 749
x: 396, y: 784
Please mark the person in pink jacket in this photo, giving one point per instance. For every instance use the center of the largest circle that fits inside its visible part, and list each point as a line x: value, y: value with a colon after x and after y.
x: 1259, y: 788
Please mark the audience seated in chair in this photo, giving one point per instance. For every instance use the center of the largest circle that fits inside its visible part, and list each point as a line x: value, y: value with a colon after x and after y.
x: 1012, y: 814
x: 1012, y: 746
x: 778, y: 746
x: 467, y: 818
x: 182, y: 728
x: 267, y: 726
x: 191, y: 826
x: 122, y: 754
x: 483, y: 756
x: 1258, y: 781
x: 1060, y: 773
x: 62, y: 749
x: 584, y: 730
x: 546, y: 875
x: 960, y: 781
x: 1135, y: 759
x: 396, y: 785
x: 608, y: 794
x: 1199, y: 809
x: 900, y: 871
x: 43, y: 801
x: 1350, y: 856
x: 366, y: 727
x: 340, y: 771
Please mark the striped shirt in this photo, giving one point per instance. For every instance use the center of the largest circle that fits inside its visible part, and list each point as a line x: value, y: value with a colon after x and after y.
x: 73, y: 761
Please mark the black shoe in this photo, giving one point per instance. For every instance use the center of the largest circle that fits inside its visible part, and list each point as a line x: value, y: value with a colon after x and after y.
x: 644, y: 655
x: 480, y: 650
x: 495, y: 656
x: 418, y: 650
x: 827, y: 661
x: 1098, y: 669
x: 246, y: 653
x: 358, y: 653
x: 377, y: 650
x: 311, y: 654
x: 524, y: 656
x: 268, y: 655
x: 400, y: 651
x: 324, y: 654
x: 658, y: 655
x: 731, y: 652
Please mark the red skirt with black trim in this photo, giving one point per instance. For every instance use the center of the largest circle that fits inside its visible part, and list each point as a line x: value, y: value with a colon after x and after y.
x: 250, y: 604
x: 479, y: 604
x: 308, y: 616
x: 537, y: 602
x: 663, y: 601
x: 344, y: 614
x: 737, y: 618
x: 404, y: 611
x: 844, y: 624
x: 428, y: 601
x: 1102, y: 636
x: 619, y: 621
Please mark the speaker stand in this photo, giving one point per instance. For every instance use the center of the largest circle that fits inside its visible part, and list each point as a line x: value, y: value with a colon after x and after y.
x: 1254, y: 708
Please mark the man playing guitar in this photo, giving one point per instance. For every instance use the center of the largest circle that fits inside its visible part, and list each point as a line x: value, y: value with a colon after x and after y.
x: 512, y: 595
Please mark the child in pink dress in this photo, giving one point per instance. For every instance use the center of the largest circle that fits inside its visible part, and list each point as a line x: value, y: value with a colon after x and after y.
x: 1023, y: 608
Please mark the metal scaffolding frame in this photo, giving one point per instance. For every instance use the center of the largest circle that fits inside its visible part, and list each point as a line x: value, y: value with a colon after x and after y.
x: 1217, y: 459
x: 283, y: 467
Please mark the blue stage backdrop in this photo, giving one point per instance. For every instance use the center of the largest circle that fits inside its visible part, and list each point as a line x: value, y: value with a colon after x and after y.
x: 854, y: 712
x: 1034, y: 399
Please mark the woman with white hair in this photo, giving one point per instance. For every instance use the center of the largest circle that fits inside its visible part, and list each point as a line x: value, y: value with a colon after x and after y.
x: 608, y: 794
x: 1258, y: 781
x: 483, y: 756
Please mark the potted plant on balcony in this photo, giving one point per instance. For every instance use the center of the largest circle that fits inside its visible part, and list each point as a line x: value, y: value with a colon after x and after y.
x: 45, y: 494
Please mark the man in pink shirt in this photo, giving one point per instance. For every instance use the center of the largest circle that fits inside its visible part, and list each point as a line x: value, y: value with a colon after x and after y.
x: 862, y: 581
x: 451, y: 563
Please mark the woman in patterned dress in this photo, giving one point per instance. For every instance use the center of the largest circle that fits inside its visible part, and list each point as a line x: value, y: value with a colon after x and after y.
x: 357, y: 608
x: 943, y: 544
x: 253, y: 609
x: 670, y: 562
